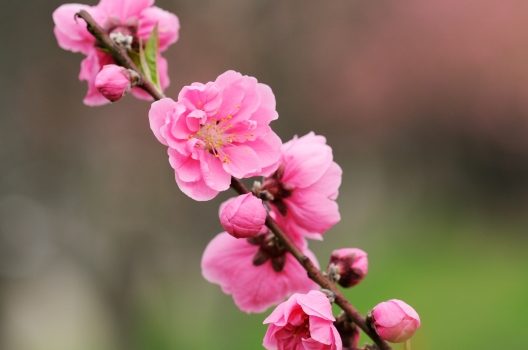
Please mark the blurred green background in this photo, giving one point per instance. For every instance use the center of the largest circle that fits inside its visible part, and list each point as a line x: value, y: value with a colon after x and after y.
x: 424, y: 102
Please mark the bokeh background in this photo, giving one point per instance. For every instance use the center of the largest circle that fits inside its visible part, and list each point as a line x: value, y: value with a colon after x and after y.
x: 424, y: 102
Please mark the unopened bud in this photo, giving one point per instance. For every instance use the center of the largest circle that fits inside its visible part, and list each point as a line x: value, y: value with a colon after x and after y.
x: 394, y: 321
x: 243, y: 216
x: 113, y: 82
x: 348, y: 266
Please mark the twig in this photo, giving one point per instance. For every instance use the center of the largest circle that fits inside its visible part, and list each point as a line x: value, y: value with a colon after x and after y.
x: 121, y: 57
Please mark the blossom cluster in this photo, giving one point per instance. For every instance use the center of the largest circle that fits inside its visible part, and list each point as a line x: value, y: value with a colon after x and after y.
x: 129, y: 22
x: 219, y: 132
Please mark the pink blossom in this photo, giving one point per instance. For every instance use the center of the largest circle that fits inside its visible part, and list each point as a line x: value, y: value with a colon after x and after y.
x: 243, y: 216
x: 134, y: 19
x: 350, y: 264
x: 304, y: 321
x: 113, y: 82
x: 218, y: 130
x: 305, y: 187
x: 255, y: 272
x: 395, y: 321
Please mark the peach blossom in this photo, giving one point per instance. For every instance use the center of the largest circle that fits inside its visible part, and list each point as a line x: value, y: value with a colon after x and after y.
x: 132, y: 19
x: 305, y: 187
x: 253, y: 271
x: 218, y: 130
x: 303, y: 322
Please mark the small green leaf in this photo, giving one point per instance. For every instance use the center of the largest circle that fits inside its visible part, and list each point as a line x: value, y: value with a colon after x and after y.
x: 135, y: 57
x: 149, y: 55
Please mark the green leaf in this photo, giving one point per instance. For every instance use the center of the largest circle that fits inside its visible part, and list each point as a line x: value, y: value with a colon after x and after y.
x: 135, y: 57
x: 148, y: 58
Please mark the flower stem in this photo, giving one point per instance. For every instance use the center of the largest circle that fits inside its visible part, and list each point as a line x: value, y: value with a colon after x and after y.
x: 121, y: 57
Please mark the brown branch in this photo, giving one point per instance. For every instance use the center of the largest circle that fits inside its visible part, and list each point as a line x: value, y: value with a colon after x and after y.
x: 118, y: 52
x: 121, y: 57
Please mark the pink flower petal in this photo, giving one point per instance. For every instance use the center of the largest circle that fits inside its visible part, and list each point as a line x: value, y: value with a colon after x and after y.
x: 188, y: 171
x: 315, y: 303
x: 278, y: 315
x: 124, y: 10
x: 71, y: 34
x: 233, y: 90
x: 202, y: 97
x: 197, y: 190
x: 306, y: 163
x: 313, y: 210
x: 267, y: 149
x: 266, y: 111
x: 287, y: 324
x: 388, y: 315
x: 213, y: 173
x: 242, y: 161
x: 168, y: 26
x: 312, y: 344
x: 329, y: 183
x: 90, y: 66
x: 251, y: 101
x: 160, y: 114
x: 227, y: 261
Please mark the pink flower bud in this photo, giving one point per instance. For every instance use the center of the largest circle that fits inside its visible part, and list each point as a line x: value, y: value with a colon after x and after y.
x: 350, y: 266
x: 113, y: 82
x: 395, y: 321
x: 243, y: 216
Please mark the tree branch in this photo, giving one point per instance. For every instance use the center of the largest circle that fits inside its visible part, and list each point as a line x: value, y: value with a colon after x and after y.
x: 120, y: 55
x: 316, y: 275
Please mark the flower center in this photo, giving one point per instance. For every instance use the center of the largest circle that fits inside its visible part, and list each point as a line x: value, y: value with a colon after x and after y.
x: 269, y: 249
x: 278, y: 190
x: 124, y: 30
x: 303, y: 330
x: 292, y: 334
x: 123, y: 33
x: 214, y: 137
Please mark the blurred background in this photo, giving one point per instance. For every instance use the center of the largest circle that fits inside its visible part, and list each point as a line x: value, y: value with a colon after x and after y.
x: 424, y: 102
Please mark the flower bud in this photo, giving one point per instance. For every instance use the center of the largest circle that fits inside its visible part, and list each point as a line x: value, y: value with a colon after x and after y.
x: 243, y: 216
x: 348, y: 266
x: 113, y: 82
x: 394, y: 321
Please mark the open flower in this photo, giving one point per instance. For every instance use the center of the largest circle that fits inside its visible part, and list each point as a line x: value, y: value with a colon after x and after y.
x: 257, y: 272
x: 304, y: 321
x: 305, y: 187
x: 129, y: 21
x: 218, y: 130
